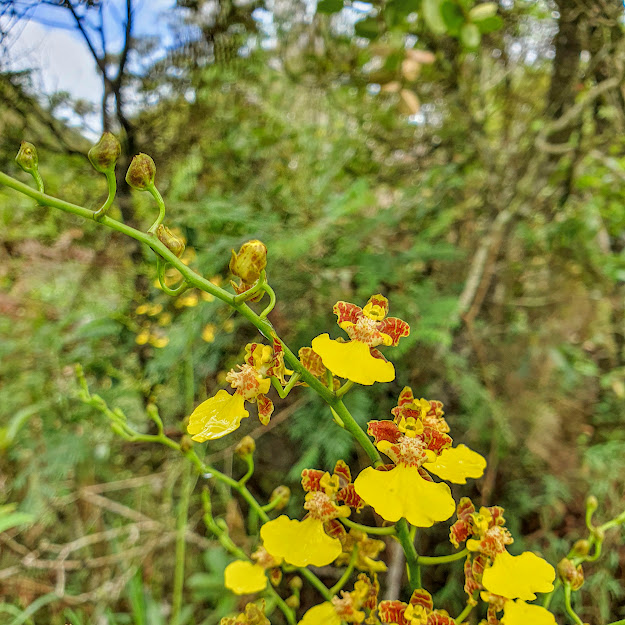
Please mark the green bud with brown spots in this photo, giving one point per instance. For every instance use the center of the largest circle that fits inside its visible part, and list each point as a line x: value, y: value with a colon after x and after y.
x: 173, y: 243
x: 104, y: 154
x: 141, y: 173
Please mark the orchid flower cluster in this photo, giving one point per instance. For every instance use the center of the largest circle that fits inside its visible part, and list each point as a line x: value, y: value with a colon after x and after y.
x: 412, y: 457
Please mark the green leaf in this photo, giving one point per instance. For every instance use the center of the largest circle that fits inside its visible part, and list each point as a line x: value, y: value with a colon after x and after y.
x: 329, y: 6
x: 368, y: 28
x: 483, y: 11
x: 433, y: 16
x: 470, y: 36
x: 453, y: 17
x: 490, y: 24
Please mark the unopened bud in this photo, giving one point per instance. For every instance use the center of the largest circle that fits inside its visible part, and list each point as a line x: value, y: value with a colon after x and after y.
x: 592, y: 503
x: 283, y: 493
x: 104, y: 154
x: 275, y: 576
x: 186, y: 444
x: 292, y: 602
x: 173, y: 243
x: 570, y: 574
x: 250, y: 261
x: 27, y: 157
x: 141, y: 173
x: 245, y: 447
x: 296, y: 583
x: 581, y: 548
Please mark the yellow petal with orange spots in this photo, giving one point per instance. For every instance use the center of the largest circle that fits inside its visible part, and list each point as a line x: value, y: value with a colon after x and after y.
x: 353, y: 361
x: 217, y: 416
x: 456, y: 464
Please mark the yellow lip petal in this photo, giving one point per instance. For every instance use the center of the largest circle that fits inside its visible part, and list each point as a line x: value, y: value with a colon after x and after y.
x: 519, y: 577
x: 300, y: 542
x: 217, y: 416
x: 322, y: 614
x: 457, y: 464
x: 520, y: 613
x: 353, y: 361
x: 244, y: 578
x: 402, y: 492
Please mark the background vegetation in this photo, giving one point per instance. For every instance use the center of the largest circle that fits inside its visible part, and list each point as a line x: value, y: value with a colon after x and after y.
x: 467, y: 160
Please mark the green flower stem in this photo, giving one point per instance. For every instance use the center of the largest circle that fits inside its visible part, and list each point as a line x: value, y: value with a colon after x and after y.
x: 433, y: 560
x: 250, y: 293
x: 414, y: 570
x: 38, y: 180
x: 160, y: 269
x: 181, y: 528
x: 569, y: 607
x: 193, y: 278
x: 284, y: 391
x: 348, y: 571
x: 467, y: 610
x: 355, y: 430
x: 341, y: 391
x: 621, y: 622
x: 288, y: 612
x: 272, y: 301
x: 111, y: 183
x: 379, y: 531
x: 224, y: 540
x: 249, y: 460
x: 272, y: 504
x: 161, y: 208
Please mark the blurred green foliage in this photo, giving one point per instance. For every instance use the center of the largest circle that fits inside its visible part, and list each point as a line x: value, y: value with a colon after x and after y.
x: 434, y: 181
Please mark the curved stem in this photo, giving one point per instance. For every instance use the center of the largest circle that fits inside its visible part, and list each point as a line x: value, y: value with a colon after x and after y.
x: 288, y: 612
x: 249, y: 459
x: 111, y: 183
x: 467, y: 610
x: 378, y: 531
x: 569, y: 607
x: 38, y: 180
x: 432, y: 560
x: 160, y: 268
x: 272, y: 301
x: 348, y: 571
x: 341, y: 391
x: 161, y: 208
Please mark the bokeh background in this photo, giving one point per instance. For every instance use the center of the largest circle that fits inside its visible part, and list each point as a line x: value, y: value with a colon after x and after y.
x: 465, y: 159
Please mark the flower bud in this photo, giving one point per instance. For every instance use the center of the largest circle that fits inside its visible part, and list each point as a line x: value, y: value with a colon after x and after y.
x: 173, y: 243
x: 245, y: 447
x: 250, y: 261
x: 592, y: 503
x: 283, y: 493
x: 275, y: 577
x: 570, y: 574
x: 581, y: 548
x: 104, y: 154
x: 27, y: 157
x: 141, y: 173
x: 295, y: 583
